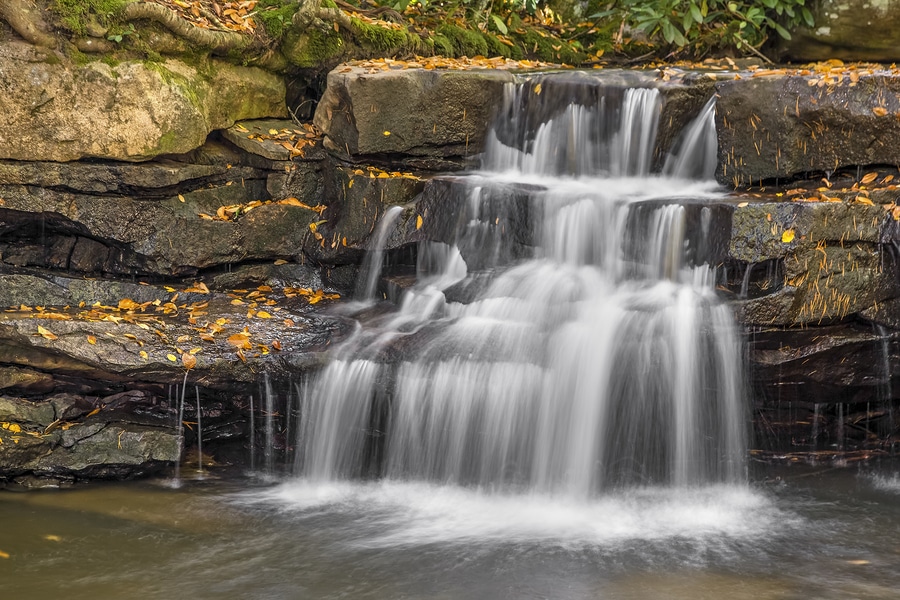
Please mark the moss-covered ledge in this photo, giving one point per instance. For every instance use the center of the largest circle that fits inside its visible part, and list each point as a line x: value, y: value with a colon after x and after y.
x: 56, y: 110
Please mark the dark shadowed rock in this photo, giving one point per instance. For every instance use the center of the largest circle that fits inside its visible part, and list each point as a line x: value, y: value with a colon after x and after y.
x: 787, y: 126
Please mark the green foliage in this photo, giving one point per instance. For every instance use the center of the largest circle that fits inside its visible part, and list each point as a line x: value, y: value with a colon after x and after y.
x: 706, y: 24
x: 75, y: 13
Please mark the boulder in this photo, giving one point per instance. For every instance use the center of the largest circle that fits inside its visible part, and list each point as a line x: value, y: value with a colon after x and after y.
x: 444, y: 113
x: 55, y: 110
x: 789, y: 126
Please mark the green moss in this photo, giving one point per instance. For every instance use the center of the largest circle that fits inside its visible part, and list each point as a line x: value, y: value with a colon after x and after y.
x: 167, y: 143
x: 311, y: 49
x: 549, y: 49
x: 74, y: 14
x: 465, y: 42
x: 379, y: 38
x: 182, y: 83
x: 442, y: 45
x: 496, y: 47
x: 276, y: 15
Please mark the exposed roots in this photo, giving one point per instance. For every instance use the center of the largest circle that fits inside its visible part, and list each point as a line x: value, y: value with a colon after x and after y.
x: 26, y: 20
x: 221, y: 41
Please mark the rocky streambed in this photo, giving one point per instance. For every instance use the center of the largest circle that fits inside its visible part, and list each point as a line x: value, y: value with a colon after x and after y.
x: 152, y: 256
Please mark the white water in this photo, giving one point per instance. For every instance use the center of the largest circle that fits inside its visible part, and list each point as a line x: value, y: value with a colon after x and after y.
x: 603, y: 363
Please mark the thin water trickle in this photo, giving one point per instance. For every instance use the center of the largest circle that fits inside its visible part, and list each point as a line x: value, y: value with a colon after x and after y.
x: 199, y: 432
x: 370, y: 272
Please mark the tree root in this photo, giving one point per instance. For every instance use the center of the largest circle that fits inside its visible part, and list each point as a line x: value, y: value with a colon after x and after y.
x: 221, y: 41
x: 26, y: 20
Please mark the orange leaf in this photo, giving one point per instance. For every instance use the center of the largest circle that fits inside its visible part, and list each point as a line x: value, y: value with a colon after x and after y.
x: 45, y: 333
x: 188, y: 360
x: 91, y: 339
x: 869, y: 178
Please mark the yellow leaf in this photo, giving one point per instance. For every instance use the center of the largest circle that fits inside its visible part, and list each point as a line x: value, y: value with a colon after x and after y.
x: 52, y: 538
x: 263, y: 315
x: 387, y: 133
x: 273, y: 132
x: 240, y: 340
x: 868, y: 178
x: 743, y: 204
x: 4, y: 554
x: 180, y: 198
x: 143, y: 354
x: 92, y: 339
x: 281, y: 261
x: 171, y: 357
x: 93, y: 412
x: 188, y: 360
x: 787, y: 236
x: 537, y: 90
x: 198, y: 288
x: 418, y: 222
x: 45, y: 333
x: 12, y: 427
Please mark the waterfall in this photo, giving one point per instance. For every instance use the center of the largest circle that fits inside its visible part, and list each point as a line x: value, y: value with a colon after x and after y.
x: 371, y: 268
x: 605, y: 360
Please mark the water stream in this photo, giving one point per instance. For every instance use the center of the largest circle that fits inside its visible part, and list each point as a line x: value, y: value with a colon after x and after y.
x: 601, y: 361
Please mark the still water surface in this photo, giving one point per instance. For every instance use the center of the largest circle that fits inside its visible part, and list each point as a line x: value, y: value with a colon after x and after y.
x: 795, y: 533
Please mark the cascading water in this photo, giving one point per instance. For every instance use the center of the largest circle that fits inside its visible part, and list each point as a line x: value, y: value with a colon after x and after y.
x: 603, y: 360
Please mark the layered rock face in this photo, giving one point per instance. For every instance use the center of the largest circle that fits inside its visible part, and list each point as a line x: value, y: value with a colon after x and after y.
x: 131, y: 257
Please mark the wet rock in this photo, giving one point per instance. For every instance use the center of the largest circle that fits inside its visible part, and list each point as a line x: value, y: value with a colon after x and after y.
x: 787, y: 126
x: 57, y: 111
x: 858, y: 30
x: 25, y: 381
x: 828, y: 364
x: 833, y: 265
x: 414, y: 111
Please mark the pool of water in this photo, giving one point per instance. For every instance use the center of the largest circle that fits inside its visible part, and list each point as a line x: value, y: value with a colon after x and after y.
x: 796, y: 532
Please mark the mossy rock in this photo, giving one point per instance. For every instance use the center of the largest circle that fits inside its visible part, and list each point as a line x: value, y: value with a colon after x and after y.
x: 313, y: 48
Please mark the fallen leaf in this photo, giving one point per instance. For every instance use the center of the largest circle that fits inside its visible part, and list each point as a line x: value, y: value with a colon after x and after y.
x: 787, y: 236
x: 4, y: 554
x: 868, y: 178
x: 52, y: 538
x: 180, y: 198
x: 45, y: 333
x: 418, y: 222
x: 91, y: 339
x: 143, y: 354
x: 879, y: 111
x: 281, y: 261
x: 198, y: 288
x: 188, y: 360
x: 172, y: 357
x: 263, y: 315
